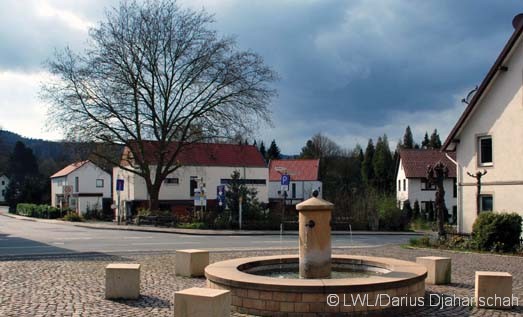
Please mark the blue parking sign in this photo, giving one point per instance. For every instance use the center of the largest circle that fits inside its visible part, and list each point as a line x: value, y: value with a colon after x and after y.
x: 285, y: 180
x: 119, y: 185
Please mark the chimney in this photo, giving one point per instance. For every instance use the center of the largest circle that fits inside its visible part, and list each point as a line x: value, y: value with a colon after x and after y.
x: 517, y: 22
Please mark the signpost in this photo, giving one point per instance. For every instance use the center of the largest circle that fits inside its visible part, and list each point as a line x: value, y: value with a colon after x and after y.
x: 285, y: 181
x: 119, y: 188
x: 220, y: 195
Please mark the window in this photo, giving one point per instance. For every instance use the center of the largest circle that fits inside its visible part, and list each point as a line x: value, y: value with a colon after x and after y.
x: 399, y: 185
x: 485, y: 150
x: 76, y: 184
x: 293, y: 190
x: 99, y: 183
x: 225, y: 181
x: 454, y: 215
x: 426, y: 185
x: 3, y: 192
x: 486, y: 203
x: 404, y: 185
x: 172, y: 181
x: 454, y: 188
x: 193, y: 184
x: 3, y: 182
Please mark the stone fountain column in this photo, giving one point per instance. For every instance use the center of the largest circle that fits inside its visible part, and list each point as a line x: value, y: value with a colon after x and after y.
x: 315, y: 237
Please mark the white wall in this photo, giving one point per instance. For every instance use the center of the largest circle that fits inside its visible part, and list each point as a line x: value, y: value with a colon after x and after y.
x: 415, y: 192
x: 498, y: 113
x: 304, y: 189
x: 4, y: 182
x: 135, y: 188
x: 87, y: 175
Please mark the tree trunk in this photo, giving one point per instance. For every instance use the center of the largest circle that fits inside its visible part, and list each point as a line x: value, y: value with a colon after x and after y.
x: 154, y: 194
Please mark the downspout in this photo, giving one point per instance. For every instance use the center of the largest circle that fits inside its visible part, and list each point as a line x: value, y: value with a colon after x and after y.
x: 459, y: 213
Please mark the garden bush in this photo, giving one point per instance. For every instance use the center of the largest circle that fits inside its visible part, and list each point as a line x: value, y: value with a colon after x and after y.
x: 37, y: 211
x: 73, y: 217
x: 497, y: 231
x: 390, y: 216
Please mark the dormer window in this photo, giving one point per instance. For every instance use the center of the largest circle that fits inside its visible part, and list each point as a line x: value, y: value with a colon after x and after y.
x: 485, y: 150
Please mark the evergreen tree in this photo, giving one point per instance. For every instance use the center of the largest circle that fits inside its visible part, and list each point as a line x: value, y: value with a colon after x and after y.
x: 416, y: 210
x: 273, y: 153
x: 255, y: 144
x: 382, y: 164
x: 251, y: 207
x: 263, y: 151
x: 408, y: 140
x: 435, y: 142
x: 25, y: 182
x: 426, y: 142
x: 407, y: 213
x: 367, y: 169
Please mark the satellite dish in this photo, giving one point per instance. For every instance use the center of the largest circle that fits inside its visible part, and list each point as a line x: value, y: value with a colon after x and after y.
x: 469, y: 96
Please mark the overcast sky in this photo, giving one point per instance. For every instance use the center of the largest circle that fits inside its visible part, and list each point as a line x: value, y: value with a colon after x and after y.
x: 349, y: 69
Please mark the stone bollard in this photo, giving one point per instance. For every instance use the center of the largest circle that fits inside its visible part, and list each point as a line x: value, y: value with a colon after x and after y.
x: 202, y: 302
x: 493, y: 290
x: 122, y: 281
x: 438, y: 269
x: 191, y: 262
x: 315, y: 237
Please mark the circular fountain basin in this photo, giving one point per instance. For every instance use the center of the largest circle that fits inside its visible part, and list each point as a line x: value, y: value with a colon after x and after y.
x: 373, y: 285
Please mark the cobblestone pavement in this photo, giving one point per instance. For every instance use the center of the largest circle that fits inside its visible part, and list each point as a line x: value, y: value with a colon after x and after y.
x: 74, y: 286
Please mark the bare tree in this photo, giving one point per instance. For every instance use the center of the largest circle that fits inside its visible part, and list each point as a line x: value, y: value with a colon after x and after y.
x: 155, y: 72
x: 436, y: 175
x: 478, y: 177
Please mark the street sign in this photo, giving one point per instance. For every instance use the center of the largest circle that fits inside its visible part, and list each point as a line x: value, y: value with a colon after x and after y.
x: 285, y: 180
x: 220, y: 195
x: 199, y: 198
x: 119, y: 185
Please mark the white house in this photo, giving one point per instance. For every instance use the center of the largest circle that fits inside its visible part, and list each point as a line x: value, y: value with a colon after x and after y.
x: 303, y: 179
x: 412, y: 184
x: 82, y: 185
x: 488, y: 137
x: 203, y: 165
x: 4, y: 181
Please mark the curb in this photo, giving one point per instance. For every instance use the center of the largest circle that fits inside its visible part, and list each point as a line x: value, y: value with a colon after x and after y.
x: 201, y: 232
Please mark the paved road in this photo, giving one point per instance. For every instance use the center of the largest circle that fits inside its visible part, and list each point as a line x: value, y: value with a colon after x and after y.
x: 22, y: 237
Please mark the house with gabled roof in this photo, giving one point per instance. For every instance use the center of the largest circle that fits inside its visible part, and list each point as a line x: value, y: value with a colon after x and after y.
x: 412, y: 183
x: 80, y: 186
x: 204, y: 167
x: 304, y: 179
x: 488, y: 137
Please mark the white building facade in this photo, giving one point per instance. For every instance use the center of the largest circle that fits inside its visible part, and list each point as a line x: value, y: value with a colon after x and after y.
x: 487, y: 138
x: 204, y: 166
x: 304, y: 179
x: 412, y: 183
x: 4, y: 182
x: 81, y: 186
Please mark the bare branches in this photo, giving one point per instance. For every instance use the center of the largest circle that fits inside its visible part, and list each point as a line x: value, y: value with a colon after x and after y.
x: 156, y: 72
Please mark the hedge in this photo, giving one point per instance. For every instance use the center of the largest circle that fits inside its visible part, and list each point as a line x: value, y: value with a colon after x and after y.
x: 497, y: 231
x: 37, y: 211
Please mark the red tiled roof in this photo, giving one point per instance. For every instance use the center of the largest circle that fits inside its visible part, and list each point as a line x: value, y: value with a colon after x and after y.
x: 300, y: 170
x: 69, y: 169
x: 415, y: 162
x: 207, y: 154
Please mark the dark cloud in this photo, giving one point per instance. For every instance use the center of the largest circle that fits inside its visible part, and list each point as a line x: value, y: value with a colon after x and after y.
x: 351, y: 69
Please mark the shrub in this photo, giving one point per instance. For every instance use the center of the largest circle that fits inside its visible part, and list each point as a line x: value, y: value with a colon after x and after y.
x: 497, y: 231
x: 390, y: 216
x: 73, y: 217
x: 420, y: 242
x: 37, y: 211
x: 192, y: 225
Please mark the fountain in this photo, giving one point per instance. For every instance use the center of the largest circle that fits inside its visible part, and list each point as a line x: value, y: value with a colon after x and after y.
x: 316, y: 282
